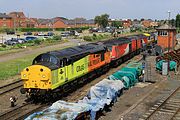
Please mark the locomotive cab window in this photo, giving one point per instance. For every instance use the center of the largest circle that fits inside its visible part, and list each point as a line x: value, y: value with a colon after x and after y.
x: 46, y: 58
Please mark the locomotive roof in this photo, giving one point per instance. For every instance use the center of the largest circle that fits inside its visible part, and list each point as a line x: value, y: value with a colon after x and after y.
x: 52, y: 59
x: 117, y: 41
x: 78, y: 51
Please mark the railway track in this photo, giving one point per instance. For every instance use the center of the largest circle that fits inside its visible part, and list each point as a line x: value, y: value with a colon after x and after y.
x: 22, y: 111
x: 166, y: 109
x: 9, y: 87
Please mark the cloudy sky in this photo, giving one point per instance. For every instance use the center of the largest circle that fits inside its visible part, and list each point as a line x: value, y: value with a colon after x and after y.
x: 154, y: 9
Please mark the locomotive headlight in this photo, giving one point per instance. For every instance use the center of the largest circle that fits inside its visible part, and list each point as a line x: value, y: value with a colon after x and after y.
x: 43, y: 76
x: 24, y: 75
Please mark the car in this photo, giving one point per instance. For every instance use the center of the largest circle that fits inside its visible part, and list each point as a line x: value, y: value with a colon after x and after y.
x: 50, y: 34
x: 41, y: 34
x: 11, y: 42
x: 79, y: 30
x: 21, y: 40
x: 10, y: 32
x: 65, y: 34
x: 91, y: 30
x: 74, y: 33
x: 30, y: 38
x: 28, y: 33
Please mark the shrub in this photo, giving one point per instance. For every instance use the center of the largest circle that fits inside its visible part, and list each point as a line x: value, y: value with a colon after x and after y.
x: 37, y: 42
x: 4, y: 45
x: 94, y: 35
x: 19, y: 45
x: 30, y: 41
x: 56, y: 37
x: 88, y: 38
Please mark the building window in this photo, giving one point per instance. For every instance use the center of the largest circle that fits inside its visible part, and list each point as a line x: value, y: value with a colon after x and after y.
x: 162, y: 33
x: 4, y: 18
x: 4, y: 25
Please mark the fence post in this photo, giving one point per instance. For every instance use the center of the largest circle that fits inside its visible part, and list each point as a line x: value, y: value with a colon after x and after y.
x: 18, y: 65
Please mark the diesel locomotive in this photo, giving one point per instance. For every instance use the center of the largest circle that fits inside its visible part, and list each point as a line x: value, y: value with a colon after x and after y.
x: 55, y: 72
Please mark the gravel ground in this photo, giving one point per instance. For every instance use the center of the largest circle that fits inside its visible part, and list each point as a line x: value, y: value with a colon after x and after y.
x: 5, y: 102
x: 136, y: 101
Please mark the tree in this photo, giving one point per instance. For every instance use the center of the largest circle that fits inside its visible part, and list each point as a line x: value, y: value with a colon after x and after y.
x: 178, y: 20
x: 172, y: 22
x: 116, y: 24
x: 102, y: 20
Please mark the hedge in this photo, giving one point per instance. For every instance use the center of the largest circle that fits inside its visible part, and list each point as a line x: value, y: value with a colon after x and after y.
x: 49, y: 29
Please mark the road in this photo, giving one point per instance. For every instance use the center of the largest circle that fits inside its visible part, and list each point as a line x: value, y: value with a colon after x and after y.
x: 7, y: 57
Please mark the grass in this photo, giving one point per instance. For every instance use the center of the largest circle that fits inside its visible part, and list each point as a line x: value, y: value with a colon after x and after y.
x: 14, y: 67
x: 14, y: 49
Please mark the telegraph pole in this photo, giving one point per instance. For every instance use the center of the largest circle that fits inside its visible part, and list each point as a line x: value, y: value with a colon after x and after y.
x: 169, y: 14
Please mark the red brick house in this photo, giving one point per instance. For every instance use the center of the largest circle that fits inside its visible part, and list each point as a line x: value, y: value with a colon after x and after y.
x: 19, y: 19
x: 32, y: 22
x: 5, y: 21
x: 146, y: 23
x: 59, y: 22
x: 127, y: 23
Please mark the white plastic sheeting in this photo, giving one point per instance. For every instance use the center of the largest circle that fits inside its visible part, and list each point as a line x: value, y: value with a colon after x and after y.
x: 60, y: 110
x: 103, y: 93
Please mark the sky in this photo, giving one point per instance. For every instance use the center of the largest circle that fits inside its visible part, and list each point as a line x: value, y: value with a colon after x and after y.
x: 117, y: 9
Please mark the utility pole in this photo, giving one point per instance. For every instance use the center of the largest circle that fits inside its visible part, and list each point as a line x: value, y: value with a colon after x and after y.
x: 169, y: 15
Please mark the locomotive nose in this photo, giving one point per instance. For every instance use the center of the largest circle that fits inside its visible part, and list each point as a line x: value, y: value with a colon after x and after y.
x: 36, y: 76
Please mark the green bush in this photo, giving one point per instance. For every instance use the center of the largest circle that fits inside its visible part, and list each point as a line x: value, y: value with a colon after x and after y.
x: 19, y: 45
x: 88, y: 38
x: 49, y: 29
x: 3, y: 30
x: 56, y: 37
x: 94, y: 35
x: 37, y: 42
x: 30, y: 41
x: 34, y: 29
x: 4, y: 45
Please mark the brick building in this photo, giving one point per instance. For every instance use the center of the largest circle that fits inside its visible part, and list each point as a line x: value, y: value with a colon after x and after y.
x: 166, y: 36
x: 19, y: 19
x: 59, y: 22
x: 5, y: 21
x: 149, y: 23
x: 127, y: 23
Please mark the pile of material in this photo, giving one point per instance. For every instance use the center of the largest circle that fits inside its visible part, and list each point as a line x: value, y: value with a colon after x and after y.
x: 100, y: 97
x: 129, y: 74
x: 172, y: 65
x: 171, y: 56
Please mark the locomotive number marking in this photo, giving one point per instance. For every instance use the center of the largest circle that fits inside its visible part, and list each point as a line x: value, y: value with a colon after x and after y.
x: 80, y: 68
